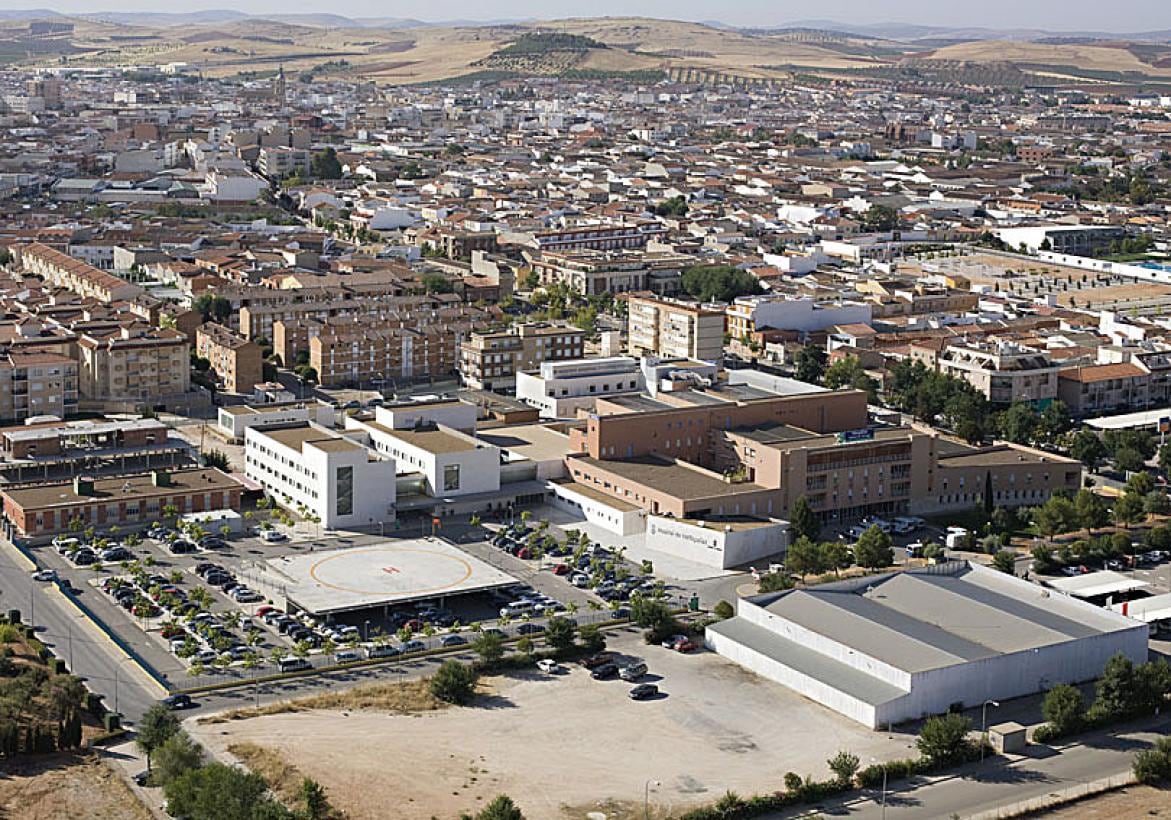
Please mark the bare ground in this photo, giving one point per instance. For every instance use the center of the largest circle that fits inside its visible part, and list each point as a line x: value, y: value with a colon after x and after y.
x: 77, y: 787
x: 1130, y: 803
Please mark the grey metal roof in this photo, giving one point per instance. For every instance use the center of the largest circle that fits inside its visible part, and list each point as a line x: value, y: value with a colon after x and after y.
x: 847, y: 679
x: 920, y: 620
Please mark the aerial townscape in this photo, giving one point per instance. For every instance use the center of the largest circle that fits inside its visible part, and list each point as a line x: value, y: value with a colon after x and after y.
x: 595, y: 418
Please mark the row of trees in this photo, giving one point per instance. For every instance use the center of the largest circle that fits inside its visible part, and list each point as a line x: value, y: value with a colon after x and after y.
x: 1124, y: 690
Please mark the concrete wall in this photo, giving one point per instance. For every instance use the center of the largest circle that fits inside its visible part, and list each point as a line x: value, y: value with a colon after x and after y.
x: 714, y: 546
x: 612, y: 519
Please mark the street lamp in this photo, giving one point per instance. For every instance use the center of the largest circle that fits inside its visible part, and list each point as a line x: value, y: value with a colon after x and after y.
x: 646, y: 797
x: 984, y: 724
x: 883, y: 765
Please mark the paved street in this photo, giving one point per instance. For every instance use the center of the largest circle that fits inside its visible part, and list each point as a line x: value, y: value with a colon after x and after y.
x: 107, y: 669
x: 999, y: 782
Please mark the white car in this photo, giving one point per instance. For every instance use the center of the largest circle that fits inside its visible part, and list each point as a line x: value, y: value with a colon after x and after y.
x: 45, y: 575
x: 273, y: 536
x: 549, y: 666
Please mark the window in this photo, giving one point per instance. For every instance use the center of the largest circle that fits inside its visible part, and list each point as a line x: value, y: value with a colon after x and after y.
x: 345, y: 491
x: 451, y: 478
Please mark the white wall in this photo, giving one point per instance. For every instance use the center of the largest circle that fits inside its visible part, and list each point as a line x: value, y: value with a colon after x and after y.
x: 449, y: 414
x: 712, y: 545
x: 806, y: 315
x: 611, y: 519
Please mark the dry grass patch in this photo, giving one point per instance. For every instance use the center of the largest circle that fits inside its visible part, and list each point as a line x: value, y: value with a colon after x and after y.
x: 407, y: 697
x: 280, y: 775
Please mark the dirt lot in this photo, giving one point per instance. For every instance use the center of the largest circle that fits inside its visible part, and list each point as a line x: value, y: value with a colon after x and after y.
x: 562, y: 746
x: 1124, y: 804
x: 52, y: 787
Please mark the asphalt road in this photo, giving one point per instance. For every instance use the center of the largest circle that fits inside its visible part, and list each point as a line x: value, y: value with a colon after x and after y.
x: 999, y: 782
x: 105, y: 667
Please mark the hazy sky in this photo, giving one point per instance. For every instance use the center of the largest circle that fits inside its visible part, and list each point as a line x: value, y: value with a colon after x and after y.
x: 1064, y: 15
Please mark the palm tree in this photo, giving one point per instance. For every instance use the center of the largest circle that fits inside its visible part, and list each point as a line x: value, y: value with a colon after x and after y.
x: 595, y: 606
x: 275, y: 655
x: 571, y: 607
x: 301, y: 649
x: 196, y: 669
x: 251, y: 661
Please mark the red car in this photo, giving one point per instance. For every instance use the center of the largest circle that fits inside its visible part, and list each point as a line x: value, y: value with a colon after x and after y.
x: 594, y: 661
x: 561, y: 569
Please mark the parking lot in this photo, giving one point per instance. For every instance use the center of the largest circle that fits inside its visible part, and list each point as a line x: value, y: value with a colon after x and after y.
x: 192, y: 607
x: 554, y: 741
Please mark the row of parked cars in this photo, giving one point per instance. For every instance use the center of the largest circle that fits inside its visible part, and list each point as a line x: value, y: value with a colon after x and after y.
x: 82, y: 554
x: 606, y: 666
x: 899, y: 525
x: 217, y: 576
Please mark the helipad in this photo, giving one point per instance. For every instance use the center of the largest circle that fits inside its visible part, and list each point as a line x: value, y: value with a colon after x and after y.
x: 392, y: 572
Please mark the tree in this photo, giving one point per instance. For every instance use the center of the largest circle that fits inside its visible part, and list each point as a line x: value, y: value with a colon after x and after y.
x: 1005, y: 561
x: 1140, y: 483
x: 804, y: 557
x: 175, y: 757
x: 220, y: 792
x: 157, y: 725
x: 1019, y: 423
x: 1091, y: 510
x: 1054, y: 420
x: 490, y: 647
x: 436, y: 282
x: 1156, y: 503
x: 1128, y: 460
x: 718, y: 283
x: 723, y: 610
x: 216, y: 459
x: 848, y: 372
x: 880, y: 218
x: 1063, y: 708
x: 944, y: 738
x: 560, y: 634
x: 844, y: 766
x: 873, y: 549
x: 501, y: 808
x: 454, y: 682
x: 803, y: 520
x: 1165, y: 458
x: 1116, y: 690
x: 1087, y: 448
x: 810, y: 362
x: 326, y: 165
x: 592, y: 638
x: 835, y: 555
x: 1055, y: 516
x: 1128, y: 509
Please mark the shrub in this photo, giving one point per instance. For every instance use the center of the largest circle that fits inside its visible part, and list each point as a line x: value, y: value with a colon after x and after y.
x: 724, y: 610
x: 1063, y: 709
x: 844, y: 766
x: 944, y: 738
x: 1153, y: 766
x: 454, y: 682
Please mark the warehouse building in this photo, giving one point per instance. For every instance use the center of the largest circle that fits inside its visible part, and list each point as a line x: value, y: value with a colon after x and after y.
x: 895, y: 647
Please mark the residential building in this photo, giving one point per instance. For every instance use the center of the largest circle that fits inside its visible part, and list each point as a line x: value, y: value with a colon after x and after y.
x: 237, y: 362
x: 491, y: 360
x: 1004, y: 371
x: 64, y: 271
x: 751, y: 314
x: 675, y: 329
x: 37, y: 383
x: 134, y: 365
x: 310, y: 469
x: 1104, y: 388
x: 280, y: 161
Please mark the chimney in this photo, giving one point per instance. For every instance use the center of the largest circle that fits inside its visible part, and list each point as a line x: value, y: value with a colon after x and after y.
x: 83, y: 485
x: 159, y: 478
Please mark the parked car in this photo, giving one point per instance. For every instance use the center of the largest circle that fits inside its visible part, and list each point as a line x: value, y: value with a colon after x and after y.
x: 597, y: 660
x: 549, y: 666
x: 45, y: 575
x: 116, y: 554
x: 273, y: 536
x: 605, y: 671
x: 181, y: 547
x: 291, y: 664
x: 383, y: 651
x: 453, y: 640
x: 346, y: 656
x: 83, y: 557
x: 530, y: 629
x: 413, y: 646
x: 632, y: 671
x: 644, y: 691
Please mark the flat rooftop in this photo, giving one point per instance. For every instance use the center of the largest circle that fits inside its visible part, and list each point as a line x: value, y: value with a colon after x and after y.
x: 681, y: 482
x: 121, y: 488
x: 431, y: 441
x: 536, y: 442
x: 1097, y: 584
x: 385, y: 574
x: 940, y: 616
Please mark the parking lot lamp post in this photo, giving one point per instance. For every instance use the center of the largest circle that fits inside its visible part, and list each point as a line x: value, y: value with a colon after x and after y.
x: 984, y: 724
x: 365, y: 630
x: 646, y: 797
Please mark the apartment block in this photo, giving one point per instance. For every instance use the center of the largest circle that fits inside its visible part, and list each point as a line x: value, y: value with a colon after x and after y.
x: 490, y: 361
x: 64, y: 271
x: 1004, y: 371
x: 37, y: 384
x: 134, y: 364
x: 237, y: 362
x: 674, y: 329
x: 278, y: 162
